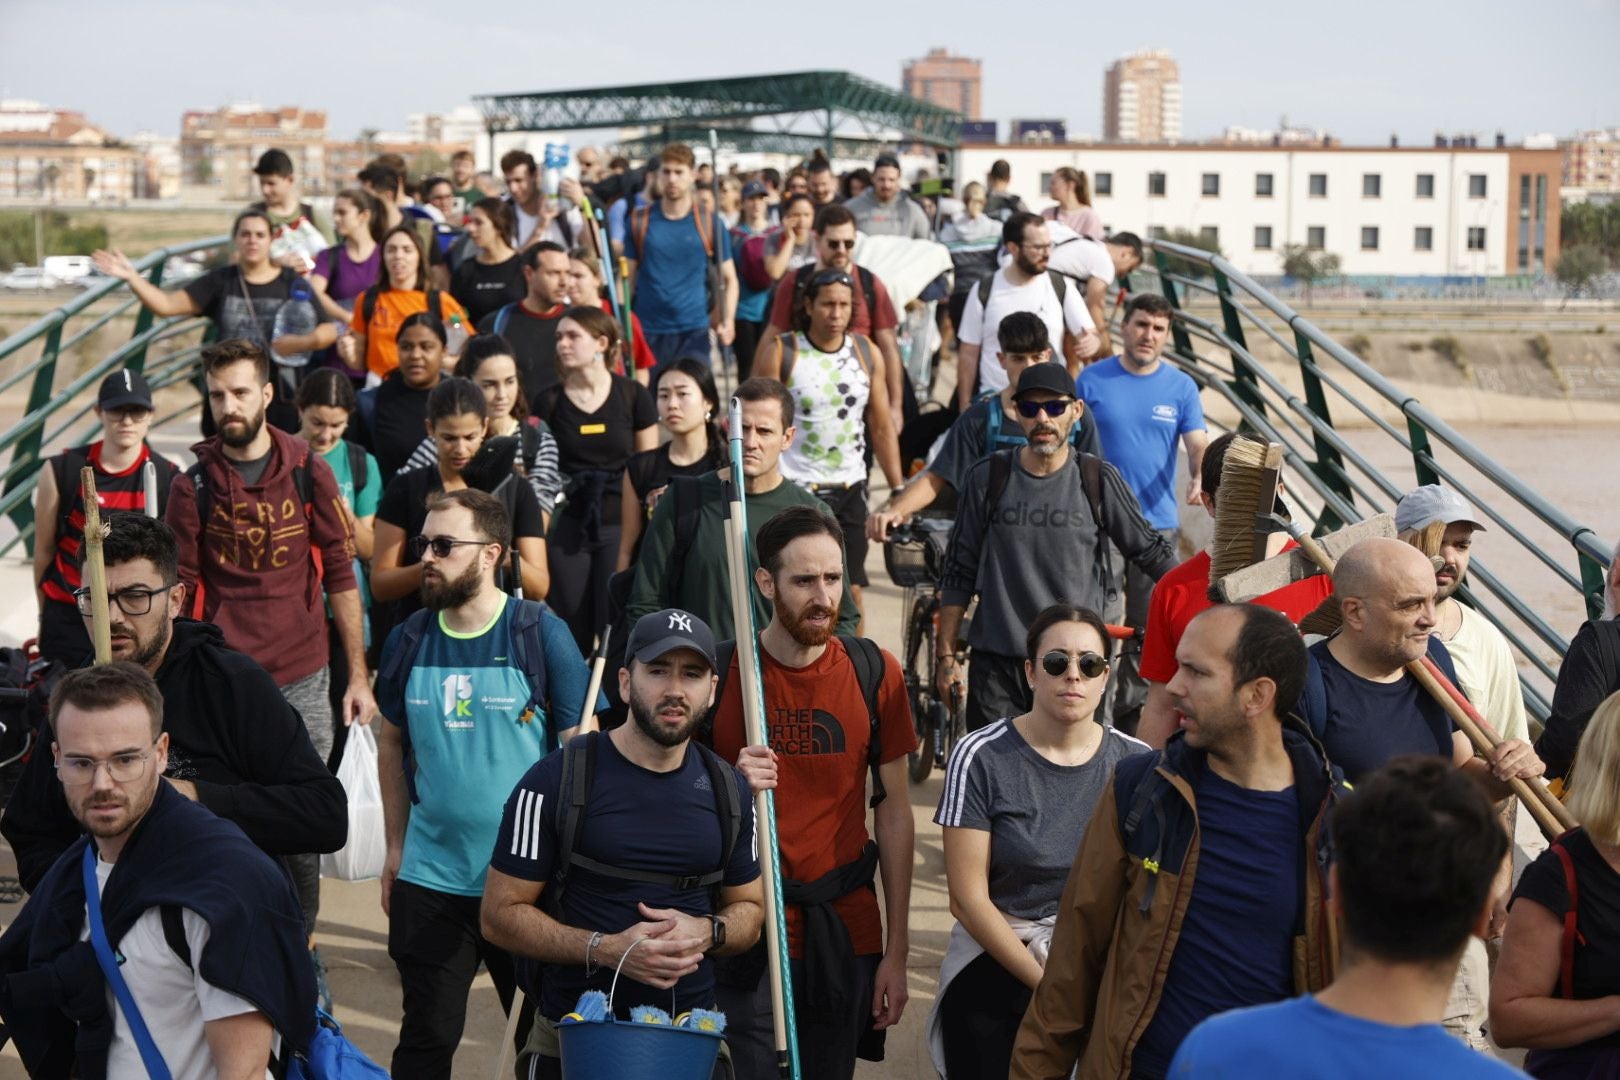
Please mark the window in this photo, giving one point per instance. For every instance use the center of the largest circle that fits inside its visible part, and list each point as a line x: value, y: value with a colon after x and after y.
x: 1425, y: 185
x: 1315, y: 238
x: 1158, y: 232
x: 1102, y: 183
x: 1369, y: 238
x: 1262, y: 238
x: 1262, y: 185
x: 1156, y: 184
x: 1476, y: 185
x: 1211, y: 184
x: 1046, y: 182
x: 1209, y: 235
x: 1476, y: 238
x: 1318, y: 185
x: 1423, y: 238
x: 1372, y: 185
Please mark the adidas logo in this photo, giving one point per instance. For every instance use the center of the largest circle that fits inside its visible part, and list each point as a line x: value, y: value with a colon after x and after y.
x: 702, y: 783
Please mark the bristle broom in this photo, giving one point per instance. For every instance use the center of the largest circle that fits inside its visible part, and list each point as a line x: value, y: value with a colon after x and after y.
x: 1248, y: 489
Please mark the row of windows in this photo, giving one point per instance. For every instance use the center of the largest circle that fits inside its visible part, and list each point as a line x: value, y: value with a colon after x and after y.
x: 1372, y: 185
x: 1316, y: 237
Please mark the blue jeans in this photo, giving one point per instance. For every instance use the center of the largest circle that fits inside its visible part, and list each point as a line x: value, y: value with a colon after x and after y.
x: 668, y: 348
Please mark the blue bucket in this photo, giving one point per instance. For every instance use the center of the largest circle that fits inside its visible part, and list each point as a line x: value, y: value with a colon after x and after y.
x: 618, y: 1050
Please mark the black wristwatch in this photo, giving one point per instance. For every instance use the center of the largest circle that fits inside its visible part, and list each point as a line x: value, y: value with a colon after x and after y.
x: 717, y: 933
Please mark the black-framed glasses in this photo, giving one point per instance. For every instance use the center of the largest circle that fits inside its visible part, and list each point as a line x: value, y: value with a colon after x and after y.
x: 840, y: 245
x: 130, y: 601
x: 1056, y: 664
x: 441, y: 546
x: 1053, y: 407
x: 123, y: 768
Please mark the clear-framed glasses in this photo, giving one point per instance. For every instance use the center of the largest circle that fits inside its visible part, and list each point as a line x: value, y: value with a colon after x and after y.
x: 123, y: 768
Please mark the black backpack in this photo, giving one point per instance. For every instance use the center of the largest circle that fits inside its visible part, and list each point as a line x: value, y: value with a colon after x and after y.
x: 65, y: 470
x: 801, y: 286
x: 368, y: 304
x: 1057, y: 278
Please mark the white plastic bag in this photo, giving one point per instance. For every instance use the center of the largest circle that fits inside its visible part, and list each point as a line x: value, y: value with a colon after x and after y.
x: 362, y: 857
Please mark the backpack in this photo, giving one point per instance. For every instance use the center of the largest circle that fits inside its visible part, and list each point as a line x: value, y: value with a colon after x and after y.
x: 870, y: 669
x: 303, y: 483
x: 996, y: 439
x: 574, y: 794
x: 863, y: 353
x: 1091, y: 482
x: 529, y: 654
x: 868, y: 283
x: 703, y: 222
x: 65, y: 470
x: 368, y: 306
x: 1566, y: 948
x: 1058, y: 279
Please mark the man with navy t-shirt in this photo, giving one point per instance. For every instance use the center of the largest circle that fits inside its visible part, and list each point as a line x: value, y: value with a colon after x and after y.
x: 655, y: 873
x: 475, y: 688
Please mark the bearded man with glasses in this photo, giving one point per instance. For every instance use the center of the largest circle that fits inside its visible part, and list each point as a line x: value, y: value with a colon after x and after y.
x: 1032, y: 530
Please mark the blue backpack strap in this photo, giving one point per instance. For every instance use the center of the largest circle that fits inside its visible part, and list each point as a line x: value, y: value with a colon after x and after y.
x: 396, y: 667
x: 1138, y: 795
x: 156, y: 1068
x: 529, y: 642
x: 502, y: 317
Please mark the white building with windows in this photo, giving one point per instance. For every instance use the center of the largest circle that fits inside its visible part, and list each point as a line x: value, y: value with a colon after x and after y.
x: 1386, y: 212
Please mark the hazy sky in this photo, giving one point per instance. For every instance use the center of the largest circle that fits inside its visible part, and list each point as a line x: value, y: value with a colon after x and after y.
x: 1361, y: 70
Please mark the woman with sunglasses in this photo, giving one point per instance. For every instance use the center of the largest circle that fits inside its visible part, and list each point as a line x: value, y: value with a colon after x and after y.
x: 841, y: 403
x: 458, y: 421
x: 1018, y: 796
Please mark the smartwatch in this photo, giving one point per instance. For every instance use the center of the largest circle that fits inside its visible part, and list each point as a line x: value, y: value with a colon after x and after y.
x: 717, y: 933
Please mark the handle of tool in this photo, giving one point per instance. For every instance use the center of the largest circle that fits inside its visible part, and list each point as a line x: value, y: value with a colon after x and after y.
x: 587, y: 710
x: 94, y: 567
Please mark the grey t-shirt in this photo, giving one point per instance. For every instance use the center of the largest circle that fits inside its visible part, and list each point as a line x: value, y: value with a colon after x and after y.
x: 251, y: 472
x: 1035, y: 811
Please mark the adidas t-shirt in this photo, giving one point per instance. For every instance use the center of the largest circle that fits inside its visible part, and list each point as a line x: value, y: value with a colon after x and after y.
x: 472, y: 739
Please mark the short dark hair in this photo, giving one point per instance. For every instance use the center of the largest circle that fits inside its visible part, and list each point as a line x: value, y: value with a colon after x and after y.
x: 455, y: 396
x: 818, y: 163
x: 499, y: 212
x: 886, y: 161
x: 513, y: 158
x: 248, y: 215
x: 1023, y: 332
x: 1000, y: 170
x: 1152, y: 303
x: 427, y: 319
x: 328, y: 387
x: 222, y: 354
x: 434, y: 181
x: 771, y: 177
x: 1013, y: 231
x: 792, y: 524
x: 530, y: 259
x: 759, y: 388
x: 132, y: 536
x: 832, y: 214
x: 1209, y: 470
x: 1268, y: 646
x: 102, y: 686
x: 1065, y: 613
x: 380, y: 176
x: 1128, y: 240
x: 274, y: 162
x: 488, y: 513
x: 1417, y: 845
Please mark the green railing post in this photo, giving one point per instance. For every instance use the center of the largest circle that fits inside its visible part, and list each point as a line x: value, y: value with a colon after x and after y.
x: 1421, y: 450
x: 1244, y: 381
x: 27, y: 449
x: 144, y: 317
x: 1177, y: 331
x: 1594, y: 580
x: 1329, y: 463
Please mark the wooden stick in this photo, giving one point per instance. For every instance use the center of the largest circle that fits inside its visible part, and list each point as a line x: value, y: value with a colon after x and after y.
x: 94, y: 567
x: 587, y: 711
x: 511, y: 1033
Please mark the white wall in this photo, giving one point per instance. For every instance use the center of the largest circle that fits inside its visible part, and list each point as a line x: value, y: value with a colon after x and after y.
x: 1291, y: 210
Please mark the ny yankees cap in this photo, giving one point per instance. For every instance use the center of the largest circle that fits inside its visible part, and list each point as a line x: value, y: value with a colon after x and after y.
x: 124, y: 388
x: 665, y: 631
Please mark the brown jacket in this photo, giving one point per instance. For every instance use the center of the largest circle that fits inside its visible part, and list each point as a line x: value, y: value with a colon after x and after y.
x: 1118, y: 920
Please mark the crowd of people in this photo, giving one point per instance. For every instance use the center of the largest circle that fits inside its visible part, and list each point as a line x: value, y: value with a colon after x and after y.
x: 443, y: 465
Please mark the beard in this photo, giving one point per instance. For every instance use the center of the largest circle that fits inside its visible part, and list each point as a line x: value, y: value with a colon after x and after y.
x: 143, y: 653
x: 443, y: 593
x: 251, y: 427
x: 133, y: 807
x: 797, y: 624
x: 1029, y: 266
x: 643, y: 714
x: 1046, y: 449
x: 1446, y: 591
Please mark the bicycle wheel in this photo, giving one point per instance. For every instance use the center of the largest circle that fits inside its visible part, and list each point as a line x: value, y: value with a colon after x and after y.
x: 921, y: 759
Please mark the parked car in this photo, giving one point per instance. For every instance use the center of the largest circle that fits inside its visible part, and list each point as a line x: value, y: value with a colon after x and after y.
x: 28, y: 277
x: 69, y: 269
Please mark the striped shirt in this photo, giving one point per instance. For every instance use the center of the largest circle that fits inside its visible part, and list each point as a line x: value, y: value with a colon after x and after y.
x: 124, y: 490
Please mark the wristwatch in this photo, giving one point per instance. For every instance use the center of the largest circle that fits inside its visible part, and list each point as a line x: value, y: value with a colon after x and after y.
x: 717, y: 933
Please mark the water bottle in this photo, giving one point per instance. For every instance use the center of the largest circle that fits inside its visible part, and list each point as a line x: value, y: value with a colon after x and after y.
x: 298, y: 314
x: 556, y: 160
x: 455, y: 336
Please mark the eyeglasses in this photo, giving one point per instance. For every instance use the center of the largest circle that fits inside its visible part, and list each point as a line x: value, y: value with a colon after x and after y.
x: 1036, y: 248
x: 840, y: 245
x: 123, y: 768
x: 129, y: 601
x: 1056, y: 664
x: 441, y: 546
x: 1053, y: 407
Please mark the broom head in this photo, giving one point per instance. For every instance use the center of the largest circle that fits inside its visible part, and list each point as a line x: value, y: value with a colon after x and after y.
x: 1248, y: 492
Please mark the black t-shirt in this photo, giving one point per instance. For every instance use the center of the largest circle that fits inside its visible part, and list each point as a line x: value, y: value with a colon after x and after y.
x: 1368, y: 723
x: 651, y: 470
x: 534, y: 343
x: 593, y: 448
x: 482, y: 289
x: 219, y: 297
x: 1597, y: 915
x: 397, y: 426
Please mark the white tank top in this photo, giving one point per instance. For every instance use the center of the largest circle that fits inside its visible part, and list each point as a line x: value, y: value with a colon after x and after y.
x: 830, y: 392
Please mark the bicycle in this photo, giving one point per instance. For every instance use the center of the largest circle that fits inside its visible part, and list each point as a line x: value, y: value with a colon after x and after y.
x: 914, y: 557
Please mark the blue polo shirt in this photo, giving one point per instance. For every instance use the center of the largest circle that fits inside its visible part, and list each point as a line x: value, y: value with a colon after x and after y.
x: 671, y: 290
x: 1139, y: 418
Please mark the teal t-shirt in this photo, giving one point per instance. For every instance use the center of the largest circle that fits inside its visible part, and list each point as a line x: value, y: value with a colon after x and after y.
x: 472, y: 739
x: 364, y: 500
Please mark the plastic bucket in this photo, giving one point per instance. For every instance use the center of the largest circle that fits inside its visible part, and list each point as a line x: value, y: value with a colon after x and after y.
x: 623, y: 1051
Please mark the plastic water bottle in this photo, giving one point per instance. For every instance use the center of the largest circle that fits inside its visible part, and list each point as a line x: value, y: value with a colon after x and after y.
x: 556, y: 160
x: 455, y: 336
x: 297, y: 315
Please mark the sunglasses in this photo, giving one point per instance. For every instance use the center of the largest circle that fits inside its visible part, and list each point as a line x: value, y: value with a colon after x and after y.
x: 1056, y: 664
x: 1053, y: 407
x: 840, y: 245
x: 441, y: 546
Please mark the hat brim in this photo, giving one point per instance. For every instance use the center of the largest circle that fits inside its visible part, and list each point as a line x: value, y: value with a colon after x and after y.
x: 666, y: 645
x: 124, y: 401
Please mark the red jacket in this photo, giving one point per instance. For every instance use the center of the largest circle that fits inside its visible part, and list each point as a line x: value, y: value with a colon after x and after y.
x: 259, y: 579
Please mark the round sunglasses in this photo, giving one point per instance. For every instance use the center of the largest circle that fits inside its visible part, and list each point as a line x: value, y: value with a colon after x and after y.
x: 1056, y: 664
x: 1053, y: 407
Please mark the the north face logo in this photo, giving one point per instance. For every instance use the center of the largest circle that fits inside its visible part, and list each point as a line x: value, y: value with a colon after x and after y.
x: 806, y: 732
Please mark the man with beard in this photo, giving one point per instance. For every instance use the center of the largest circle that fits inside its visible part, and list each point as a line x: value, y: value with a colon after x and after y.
x: 235, y: 745
x: 827, y: 723
x: 1032, y: 530
x: 206, y: 927
x: 261, y: 529
x: 649, y: 862
x: 475, y: 687
x: 1024, y: 283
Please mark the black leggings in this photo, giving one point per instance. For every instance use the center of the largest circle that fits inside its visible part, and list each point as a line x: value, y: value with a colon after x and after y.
x: 980, y: 1014
x: 580, y: 569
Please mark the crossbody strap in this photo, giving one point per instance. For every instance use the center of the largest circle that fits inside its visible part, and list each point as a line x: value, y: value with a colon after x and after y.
x: 156, y: 1069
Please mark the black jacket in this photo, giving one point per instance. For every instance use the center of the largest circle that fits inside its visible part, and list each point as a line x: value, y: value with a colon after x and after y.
x: 232, y: 733
x: 53, y: 996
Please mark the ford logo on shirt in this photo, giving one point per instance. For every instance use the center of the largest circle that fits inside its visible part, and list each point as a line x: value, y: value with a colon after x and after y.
x: 1167, y: 413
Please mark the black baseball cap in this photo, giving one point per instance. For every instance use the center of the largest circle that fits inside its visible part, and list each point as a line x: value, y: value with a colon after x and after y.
x: 273, y: 162
x: 1051, y: 377
x: 123, y: 389
x: 665, y: 631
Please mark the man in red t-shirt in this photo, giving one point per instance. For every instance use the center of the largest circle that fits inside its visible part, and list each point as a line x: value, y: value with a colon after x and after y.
x: 849, y: 978
x: 1184, y: 592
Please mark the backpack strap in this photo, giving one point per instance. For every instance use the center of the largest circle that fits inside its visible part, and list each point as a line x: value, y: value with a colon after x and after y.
x: 1001, y: 463
x: 869, y: 671
x: 151, y: 1057
x: 1059, y: 286
x: 723, y: 654
x: 1147, y: 794
x: 728, y: 801
x: 985, y: 284
x: 174, y: 933
x: 1313, y: 703
x: 785, y: 341
x: 66, y: 469
x: 435, y: 303
x: 204, y: 502
x: 166, y: 471
x: 1091, y: 483
x: 1566, y: 948
x: 529, y: 642
x: 503, y: 316
x: 704, y: 223
x: 868, y: 282
x: 688, y: 501
x: 368, y: 306
x: 357, y: 465
x: 863, y: 352
x: 396, y: 667
x: 333, y: 253
x: 640, y: 217
x: 574, y: 792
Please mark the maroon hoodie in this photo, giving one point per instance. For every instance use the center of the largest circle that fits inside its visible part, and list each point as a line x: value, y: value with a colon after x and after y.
x: 259, y: 579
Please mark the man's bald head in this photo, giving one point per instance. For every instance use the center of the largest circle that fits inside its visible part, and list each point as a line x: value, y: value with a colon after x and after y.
x: 1386, y: 590
x: 1362, y: 571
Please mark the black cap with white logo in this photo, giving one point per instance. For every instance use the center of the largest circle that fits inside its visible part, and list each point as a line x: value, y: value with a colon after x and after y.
x: 665, y: 631
x: 124, y: 389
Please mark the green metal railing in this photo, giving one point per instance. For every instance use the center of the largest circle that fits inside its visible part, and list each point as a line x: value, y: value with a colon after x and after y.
x: 1218, y: 310
x: 57, y: 410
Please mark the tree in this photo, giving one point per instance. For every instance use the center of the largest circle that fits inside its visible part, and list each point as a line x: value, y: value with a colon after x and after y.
x: 1307, y: 266
x: 1579, y: 266
x: 1593, y: 224
x: 1188, y: 238
x: 203, y: 171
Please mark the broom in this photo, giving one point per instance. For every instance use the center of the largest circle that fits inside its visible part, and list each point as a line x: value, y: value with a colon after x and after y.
x: 1246, y: 471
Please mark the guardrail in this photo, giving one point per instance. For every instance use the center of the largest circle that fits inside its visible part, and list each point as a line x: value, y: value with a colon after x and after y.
x: 1344, y: 485
x: 47, y: 402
